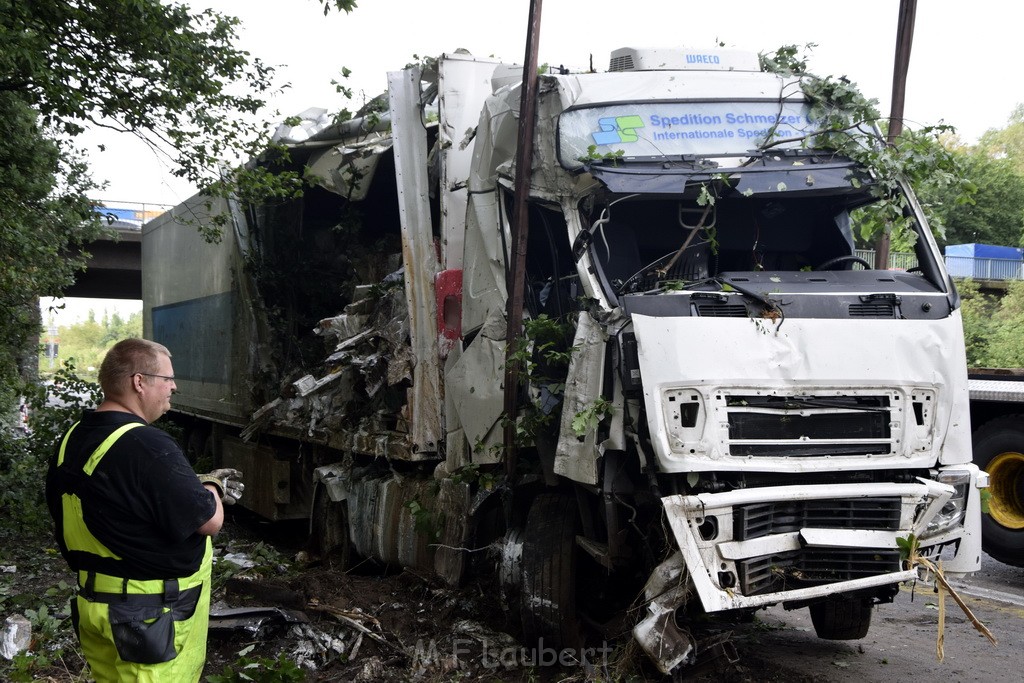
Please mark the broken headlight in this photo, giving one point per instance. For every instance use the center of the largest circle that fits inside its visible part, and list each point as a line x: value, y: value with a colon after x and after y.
x: 953, y: 512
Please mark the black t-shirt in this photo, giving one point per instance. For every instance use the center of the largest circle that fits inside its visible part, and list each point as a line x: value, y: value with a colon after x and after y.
x: 143, y: 501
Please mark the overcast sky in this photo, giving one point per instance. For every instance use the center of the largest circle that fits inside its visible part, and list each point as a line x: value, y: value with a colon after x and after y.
x: 964, y: 69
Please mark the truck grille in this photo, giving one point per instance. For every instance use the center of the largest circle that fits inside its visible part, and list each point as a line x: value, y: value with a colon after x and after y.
x: 804, y: 426
x: 764, y: 519
x: 810, y: 567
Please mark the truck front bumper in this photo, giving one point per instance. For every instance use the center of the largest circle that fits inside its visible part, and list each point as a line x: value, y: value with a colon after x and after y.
x: 755, y: 547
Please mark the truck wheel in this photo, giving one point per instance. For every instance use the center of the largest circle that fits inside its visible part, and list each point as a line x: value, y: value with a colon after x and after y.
x: 842, y: 618
x: 999, y: 450
x: 328, y: 532
x: 549, y: 562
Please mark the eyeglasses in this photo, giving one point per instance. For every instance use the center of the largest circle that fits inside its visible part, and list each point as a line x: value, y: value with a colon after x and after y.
x: 169, y: 378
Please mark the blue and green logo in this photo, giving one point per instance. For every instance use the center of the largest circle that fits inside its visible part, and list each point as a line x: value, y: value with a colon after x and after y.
x: 617, y: 129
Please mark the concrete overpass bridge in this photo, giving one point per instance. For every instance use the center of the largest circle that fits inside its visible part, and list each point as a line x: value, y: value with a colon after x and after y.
x: 114, y: 269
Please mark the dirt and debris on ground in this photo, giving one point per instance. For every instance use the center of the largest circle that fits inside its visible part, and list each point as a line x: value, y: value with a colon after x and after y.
x: 275, y: 619
x: 374, y: 625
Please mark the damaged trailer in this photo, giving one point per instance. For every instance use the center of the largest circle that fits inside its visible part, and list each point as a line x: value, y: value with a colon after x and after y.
x: 722, y: 407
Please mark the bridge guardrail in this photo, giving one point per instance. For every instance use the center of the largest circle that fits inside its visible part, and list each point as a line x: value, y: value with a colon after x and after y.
x: 958, y: 266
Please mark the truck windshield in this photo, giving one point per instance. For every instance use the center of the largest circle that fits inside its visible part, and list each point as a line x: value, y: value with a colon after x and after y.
x: 650, y: 242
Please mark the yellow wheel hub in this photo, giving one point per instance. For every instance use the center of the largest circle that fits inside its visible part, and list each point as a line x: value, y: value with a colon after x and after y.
x: 1006, y: 475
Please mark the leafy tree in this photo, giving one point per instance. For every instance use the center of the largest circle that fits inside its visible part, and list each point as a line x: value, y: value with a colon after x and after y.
x: 86, y: 342
x: 995, y: 213
x: 1006, y: 340
x: 848, y: 122
x: 44, y: 212
x: 977, y: 311
x: 1007, y: 143
x: 161, y: 71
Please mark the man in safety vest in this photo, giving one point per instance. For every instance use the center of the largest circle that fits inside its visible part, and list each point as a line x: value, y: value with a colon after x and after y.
x: 134, y: 522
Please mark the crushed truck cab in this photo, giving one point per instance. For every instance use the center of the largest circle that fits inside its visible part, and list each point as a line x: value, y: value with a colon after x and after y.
x: 722, y: 406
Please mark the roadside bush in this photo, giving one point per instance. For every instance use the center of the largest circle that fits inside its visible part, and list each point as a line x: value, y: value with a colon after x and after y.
x: 53, y: 408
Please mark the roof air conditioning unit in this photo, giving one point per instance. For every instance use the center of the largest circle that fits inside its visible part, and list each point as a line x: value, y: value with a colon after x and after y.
x: 682, y: 59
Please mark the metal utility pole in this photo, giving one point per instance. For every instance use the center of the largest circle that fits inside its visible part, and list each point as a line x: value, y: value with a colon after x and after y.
x: 901, y: 64
x: 520, y: 232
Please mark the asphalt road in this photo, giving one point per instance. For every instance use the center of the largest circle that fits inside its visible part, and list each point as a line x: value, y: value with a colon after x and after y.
x: 901, y: 645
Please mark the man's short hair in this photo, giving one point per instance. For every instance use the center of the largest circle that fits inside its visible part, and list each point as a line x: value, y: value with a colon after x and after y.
x: 124, y: 359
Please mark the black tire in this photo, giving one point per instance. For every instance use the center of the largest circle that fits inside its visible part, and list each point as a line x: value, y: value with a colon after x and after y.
x: 550, y: 555
x: 328, y: 532
x: 842, y: 618
x: 999, y: 450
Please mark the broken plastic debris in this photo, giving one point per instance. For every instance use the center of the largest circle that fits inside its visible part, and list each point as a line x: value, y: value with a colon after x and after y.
x: 341, y: 326
x: 239, y: 559
x: 252, y: 619
x: 15, y: 636
x: 315, y: 647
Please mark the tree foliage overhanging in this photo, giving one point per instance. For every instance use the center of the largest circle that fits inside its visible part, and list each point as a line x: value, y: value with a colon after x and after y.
x: 161, y: 71
x: 969, y: 193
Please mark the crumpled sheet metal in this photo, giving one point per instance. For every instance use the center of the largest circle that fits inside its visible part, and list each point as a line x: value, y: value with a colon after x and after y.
x: 658, y: 634
x: 311, y: 122
x: 315, y: 646
x: 384, y: 526
x: 348, y: 169
x: 253, y: 620
x: 574, y: 458
x: 372, y: 353
x: 474, y: 386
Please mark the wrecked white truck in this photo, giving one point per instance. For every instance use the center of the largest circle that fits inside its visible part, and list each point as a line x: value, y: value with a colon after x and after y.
x: 722, y: 406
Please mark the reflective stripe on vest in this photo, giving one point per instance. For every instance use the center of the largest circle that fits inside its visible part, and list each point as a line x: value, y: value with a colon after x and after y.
x: 76, y: 534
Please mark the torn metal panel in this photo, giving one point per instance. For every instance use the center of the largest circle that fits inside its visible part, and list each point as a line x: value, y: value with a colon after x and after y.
x: 456, y: 445
x: 253, y: 620
x: 483, y: 275
x: 475, y: 385
x: 341, y: 327
x: 451, y: 557
x: 577, y: 457
x: 349, y: 169
x: 464, y: 82
x: 658, y: 634
x: 310, y: 122
x: 418, y: 256
x: 484, y: 288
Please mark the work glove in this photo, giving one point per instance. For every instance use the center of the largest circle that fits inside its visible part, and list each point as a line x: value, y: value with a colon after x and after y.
x: 228, y: 482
